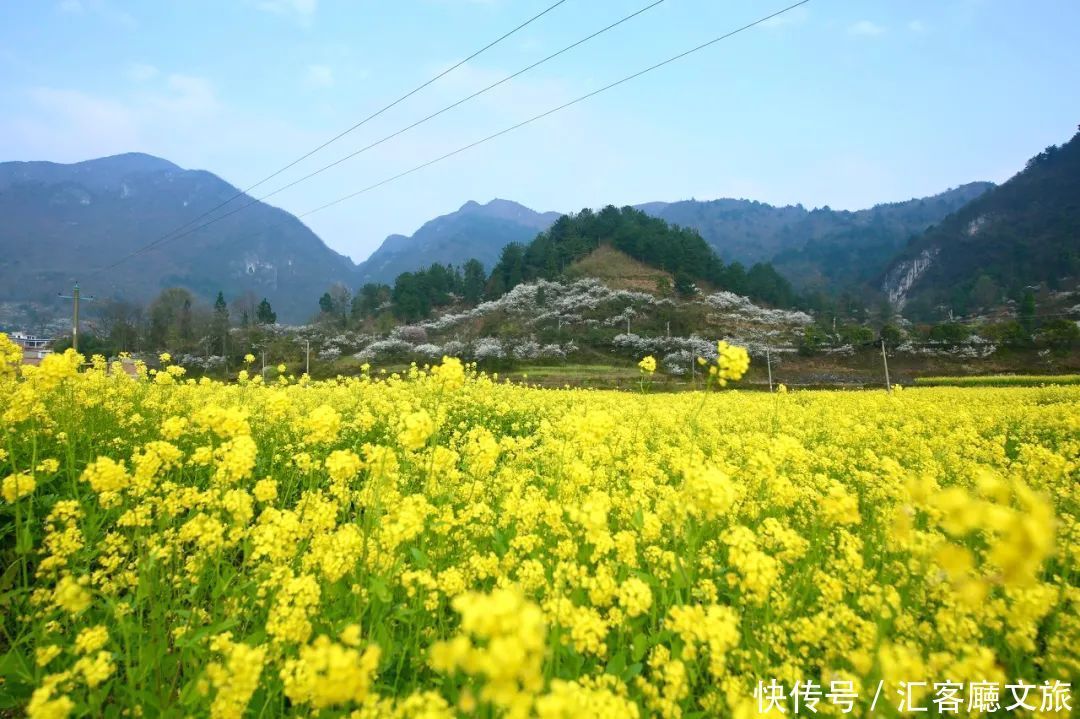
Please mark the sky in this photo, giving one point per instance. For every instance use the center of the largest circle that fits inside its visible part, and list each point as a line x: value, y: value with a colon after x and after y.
x: 845, y: 103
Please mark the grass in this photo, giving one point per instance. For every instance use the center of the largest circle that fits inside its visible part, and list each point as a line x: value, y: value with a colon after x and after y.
x: 619, y: 270
x: 1000, y: 380
x: 580, y: 371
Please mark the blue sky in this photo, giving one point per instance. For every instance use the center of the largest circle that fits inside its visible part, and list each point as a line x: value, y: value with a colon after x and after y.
x: 840, y: 103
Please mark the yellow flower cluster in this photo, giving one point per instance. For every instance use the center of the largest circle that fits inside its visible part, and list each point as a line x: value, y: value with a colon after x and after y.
x: 437, y: 544
x: 329, y: 674
x: 235, y: 678
x: 17, y: 486
x: 647, y: 364
x: 731, y: 363
x: 10, y: 356
x: 510, y: 658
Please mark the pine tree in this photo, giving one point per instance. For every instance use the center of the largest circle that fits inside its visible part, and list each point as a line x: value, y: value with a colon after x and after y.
x: 220, y: 324
x: 473, y: 281
x: 265, y: 314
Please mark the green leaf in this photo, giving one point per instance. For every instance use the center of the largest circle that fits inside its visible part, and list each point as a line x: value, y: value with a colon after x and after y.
x: 639, y: 646
x: 380, y: 590
x: 14, y: 664
x: 419, y: 557
x: 617, y: 665
x: 10, y: 575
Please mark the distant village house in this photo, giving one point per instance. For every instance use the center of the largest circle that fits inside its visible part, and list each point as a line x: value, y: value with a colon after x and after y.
x: 34, y: 348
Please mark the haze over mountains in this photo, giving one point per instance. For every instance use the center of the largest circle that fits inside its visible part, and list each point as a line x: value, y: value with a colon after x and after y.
x: 813, y: 248
x: 59, y: 222
x: 473, y: 232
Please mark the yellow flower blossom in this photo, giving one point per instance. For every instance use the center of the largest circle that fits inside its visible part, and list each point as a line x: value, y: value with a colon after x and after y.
x: 435, y: 542
x: 17, y: 486
x: 328, y: 674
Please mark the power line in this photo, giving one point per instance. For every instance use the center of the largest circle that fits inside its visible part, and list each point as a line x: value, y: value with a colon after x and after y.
x: 542, y: 115
x: 335, y: 163
x: 519, y: 125
x: 342, y: 134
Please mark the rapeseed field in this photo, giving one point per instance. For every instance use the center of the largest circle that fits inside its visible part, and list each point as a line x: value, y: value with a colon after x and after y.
x: 442, y: 544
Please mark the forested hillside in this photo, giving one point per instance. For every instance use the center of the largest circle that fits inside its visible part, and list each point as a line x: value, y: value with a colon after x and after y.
x: 678, y: 250
x: 820, y: 250
x: 1023, y: 233
x: 685, y: 264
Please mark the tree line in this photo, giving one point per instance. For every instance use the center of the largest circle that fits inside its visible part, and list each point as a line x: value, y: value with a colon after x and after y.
x: 175, y: 320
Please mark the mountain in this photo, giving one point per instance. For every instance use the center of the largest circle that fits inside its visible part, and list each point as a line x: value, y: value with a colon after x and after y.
x: 1025, y: 232
x: 474, y: 231
x: 61, y: 221
x: 821, y: 249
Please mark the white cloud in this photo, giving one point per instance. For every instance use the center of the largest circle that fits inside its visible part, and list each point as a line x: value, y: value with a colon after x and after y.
x: 100, y: 8
x: 141, y: 72
x: 72, y: 125
x: 320, y: 76
x: 65, y: 124
x: 796, y: 16
x: 189, y: 97
x: 517, y: 99
x: 179, y: 117
x: 917, y: 26
x: 302, y: 10
x: 866, y: 28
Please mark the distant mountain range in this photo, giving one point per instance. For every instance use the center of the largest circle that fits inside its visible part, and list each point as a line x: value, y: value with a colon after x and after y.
x: 60, y: 222
x: 474, y: 231
x: 814, y: 249
x: 57, y: 222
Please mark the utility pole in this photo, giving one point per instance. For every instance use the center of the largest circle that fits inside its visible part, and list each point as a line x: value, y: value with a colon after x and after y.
x: 263, y: 365
x: 307, y: 357
x: 885, y: 361
x: 768, y: 363
x: 75, y: 299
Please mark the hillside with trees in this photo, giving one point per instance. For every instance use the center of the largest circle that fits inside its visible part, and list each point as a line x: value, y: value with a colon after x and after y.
x: 677, y: 250
x: 1022, y: 234
x: 817, y: 250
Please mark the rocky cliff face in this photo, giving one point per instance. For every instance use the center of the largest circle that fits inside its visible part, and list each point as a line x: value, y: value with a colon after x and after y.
x: 903, y: 276
x: 1020, y: 234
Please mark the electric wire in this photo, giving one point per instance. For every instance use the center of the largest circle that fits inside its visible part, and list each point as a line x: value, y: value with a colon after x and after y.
x: 335, y: 163
x: 342, y: 134
x: 504, y: 131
